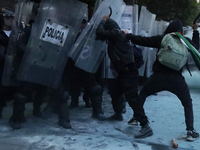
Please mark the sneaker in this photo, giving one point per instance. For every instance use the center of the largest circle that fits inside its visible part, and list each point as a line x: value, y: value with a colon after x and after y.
x: 192, y: 135
x: 133, y: 121
x: 144, y: 132
x: 116, y: 116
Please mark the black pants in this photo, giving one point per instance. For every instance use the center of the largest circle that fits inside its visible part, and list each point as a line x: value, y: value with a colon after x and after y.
x: 126, y: 83
x: 117, y: 96
x: 174, y: 83
x: 80, y: 78
x: 23, y: 94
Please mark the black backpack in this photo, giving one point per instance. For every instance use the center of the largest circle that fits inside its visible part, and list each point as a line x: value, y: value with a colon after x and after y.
x: 138, y: 56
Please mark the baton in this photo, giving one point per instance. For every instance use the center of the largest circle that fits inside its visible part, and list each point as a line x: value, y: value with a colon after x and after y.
x: 110, y: 11
x: 196, y: 19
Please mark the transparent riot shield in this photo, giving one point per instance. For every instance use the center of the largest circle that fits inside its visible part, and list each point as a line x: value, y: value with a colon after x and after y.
x: 23, y: 10
x: 126, y: 21
x: 53, y: 34
x: 96, y: 6
x: 146, y: 22
x: 87, y: 51
x: 162, y: 25
x: 135, y: 19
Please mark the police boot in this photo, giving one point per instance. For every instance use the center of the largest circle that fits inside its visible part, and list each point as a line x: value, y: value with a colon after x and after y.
x: 96, y: 97
x: 64, y: 112
x: 18, y: 111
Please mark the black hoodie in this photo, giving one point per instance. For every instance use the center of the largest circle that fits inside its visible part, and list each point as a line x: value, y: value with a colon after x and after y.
x: 155, y: 42
x: 120, y: 50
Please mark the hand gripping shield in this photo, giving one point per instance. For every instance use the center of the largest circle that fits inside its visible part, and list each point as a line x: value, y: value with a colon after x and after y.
x: 52, y: 36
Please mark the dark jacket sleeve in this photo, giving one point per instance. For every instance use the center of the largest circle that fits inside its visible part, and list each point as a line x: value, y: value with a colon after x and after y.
x: 153, y: 41
x: 195, y: 39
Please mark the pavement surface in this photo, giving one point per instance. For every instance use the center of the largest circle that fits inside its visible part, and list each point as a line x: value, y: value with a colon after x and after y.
x: 164, y: 110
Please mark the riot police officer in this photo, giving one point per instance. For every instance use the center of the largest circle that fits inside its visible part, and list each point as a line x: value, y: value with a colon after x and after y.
x: 6, y: 19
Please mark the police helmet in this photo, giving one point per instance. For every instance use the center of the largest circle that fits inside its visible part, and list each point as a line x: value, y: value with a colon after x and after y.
x: 6, y: 13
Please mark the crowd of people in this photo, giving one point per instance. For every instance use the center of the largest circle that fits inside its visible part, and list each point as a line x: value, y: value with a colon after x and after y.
x: 122, y: 89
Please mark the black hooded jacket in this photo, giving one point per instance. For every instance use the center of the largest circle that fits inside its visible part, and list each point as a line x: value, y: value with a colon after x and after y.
x: 120, y: 50
x: 155, y: 42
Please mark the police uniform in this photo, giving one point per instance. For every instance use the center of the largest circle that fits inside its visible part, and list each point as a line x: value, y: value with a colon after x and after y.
x: 5, y: 92
x: 24, y: 90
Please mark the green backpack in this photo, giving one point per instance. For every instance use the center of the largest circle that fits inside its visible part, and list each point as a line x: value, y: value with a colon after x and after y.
x: 173, y: 53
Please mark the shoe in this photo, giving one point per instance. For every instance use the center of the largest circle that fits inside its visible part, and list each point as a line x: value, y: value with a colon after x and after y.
x: 116, y: 116
x: 37, y: 113
x: 144, y: 132
x: 192, y: 135
x: 65, y: 124
x: 16, y: 125
x: 100, y: 116
x: 133, y: 121
x: 88, y: 104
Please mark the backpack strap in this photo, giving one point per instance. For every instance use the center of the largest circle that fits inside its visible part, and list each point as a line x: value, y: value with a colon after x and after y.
x: 188, y: 69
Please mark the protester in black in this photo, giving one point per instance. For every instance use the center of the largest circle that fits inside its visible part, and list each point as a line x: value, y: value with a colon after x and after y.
x: 121, y: 55
x: 165, y: 78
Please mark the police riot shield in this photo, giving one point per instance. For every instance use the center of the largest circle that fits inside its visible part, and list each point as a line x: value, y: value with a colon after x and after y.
x: 96, y: 6
x: 162, y: 25
x: 146, y: 22
x: 88, y: 52
x: 53, y: 34
x: 126, y: 21
x: 135, y: 19
x: 23, y: 10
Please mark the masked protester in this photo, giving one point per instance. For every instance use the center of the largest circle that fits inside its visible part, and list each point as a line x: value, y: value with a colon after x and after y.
x: 165, y: 78
x: 121, y: 55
